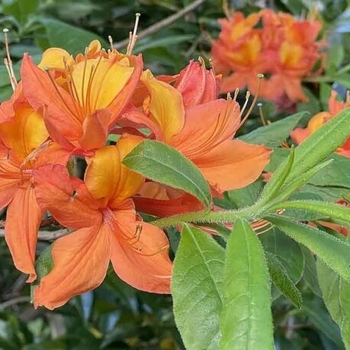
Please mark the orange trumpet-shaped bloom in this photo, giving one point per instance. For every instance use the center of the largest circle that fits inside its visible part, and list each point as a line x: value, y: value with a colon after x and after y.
x: 298, y: 135
x: 80, y: 99
x: 204, y: 133
x: 21, y: 134
x: 107, y: 229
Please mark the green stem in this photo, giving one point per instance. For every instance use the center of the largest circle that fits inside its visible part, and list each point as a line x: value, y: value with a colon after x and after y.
x: 228, y: 216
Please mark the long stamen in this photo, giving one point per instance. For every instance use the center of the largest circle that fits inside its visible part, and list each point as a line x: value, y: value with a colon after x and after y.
x: 110, y: 40
x: 133, y: 35
x: 90, y: 103
x: 261, y: 113
x: 8, y: 61
x: 59, y: 93
x: 260, y: 77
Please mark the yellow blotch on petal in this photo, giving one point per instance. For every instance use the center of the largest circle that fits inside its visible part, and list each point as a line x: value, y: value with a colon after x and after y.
x: 97, y: 82
x: 290, y: 54
x: 24, y: 133
x: 107, y: 178
x: 248, y: 53
x: 165, y: 105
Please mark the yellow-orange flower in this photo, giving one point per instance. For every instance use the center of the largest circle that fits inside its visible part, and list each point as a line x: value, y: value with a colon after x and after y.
x: 107, y: 229
x: 81, y: 98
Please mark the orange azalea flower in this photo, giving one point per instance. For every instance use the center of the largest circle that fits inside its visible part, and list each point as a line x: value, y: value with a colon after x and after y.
x: 237, y: 53
x: 203, y: 133
x: 21, y: 134
x: 298, y: 135
x: 107, y: 229
x: 80, y: 98
x: 283, y: 49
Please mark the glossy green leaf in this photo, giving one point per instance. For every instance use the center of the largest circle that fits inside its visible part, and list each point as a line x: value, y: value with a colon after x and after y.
x: 65, y: 36
x: 197, y: 289
x: 282, y: 281
x: 274, y: 134
x: 164, y: 164
x: 333, y: 251
x: 335, y: 292
x: 246, y: 319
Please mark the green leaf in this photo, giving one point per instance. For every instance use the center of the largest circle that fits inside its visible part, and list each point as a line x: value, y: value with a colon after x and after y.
x: 328, y: 210
x: 65, y: 36
x: 246, y: 320
x: 290, y: 187
x: 43, y: 266
x: 335, y: 56
x: 148, y: 43
x: 335, y: 292
x: 314, y: 149
x: 336, y: 174
x: 287, y: 251
x: 310, y: 274
x: 164, y: 164
x: 278, y: 179
x: 245, y: 196
x: 282, y: 281
x: 333, y: 251
x: 316, y: 311
x: 197, y: 289
x: 312, y: 105
x: 21, y: 10
x: 275, y: 133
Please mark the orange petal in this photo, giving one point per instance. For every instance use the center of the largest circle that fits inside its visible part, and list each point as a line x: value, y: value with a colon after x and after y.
x: 67, y: 199
x: 95, y: 130
x: 42, y: 92
x: 166, y: 105
x: 140, y: 258
x: 233, y: 164
x: 98, y: 81
x: 21, y: 229
x: 25, y: 132
x: 207, y: 126
x: 159, y: 200
x: 107, y: 178
x: 80, y: 264
x: 298, y: 135
x: 9, y: 179
x: 197, y: 84
x: 56, y: 58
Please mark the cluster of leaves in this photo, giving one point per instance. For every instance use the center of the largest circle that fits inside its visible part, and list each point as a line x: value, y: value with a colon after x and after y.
x: 308, y: 295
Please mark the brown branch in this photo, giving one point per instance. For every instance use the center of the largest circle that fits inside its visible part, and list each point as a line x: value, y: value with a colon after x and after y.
x: 45, y: 235
x: 157, y: 26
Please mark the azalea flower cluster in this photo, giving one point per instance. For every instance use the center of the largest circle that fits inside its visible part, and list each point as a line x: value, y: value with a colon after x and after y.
x: 67, y: 108
x: 277, y: 45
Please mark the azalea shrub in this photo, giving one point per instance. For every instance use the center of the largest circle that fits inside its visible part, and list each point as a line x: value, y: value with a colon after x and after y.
x: 210, y: 203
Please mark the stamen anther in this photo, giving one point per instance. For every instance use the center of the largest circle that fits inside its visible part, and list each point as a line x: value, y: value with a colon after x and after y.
x: 133, y: 35
x: 8, y: 61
